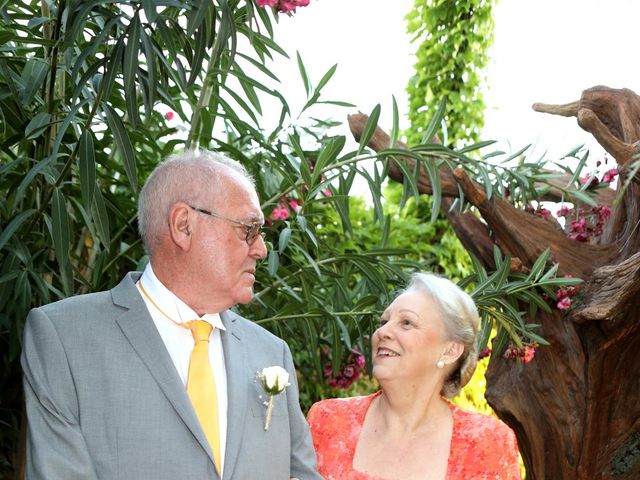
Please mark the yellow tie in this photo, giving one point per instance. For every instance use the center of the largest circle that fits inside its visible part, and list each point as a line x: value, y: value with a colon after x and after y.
x: 201, y: 386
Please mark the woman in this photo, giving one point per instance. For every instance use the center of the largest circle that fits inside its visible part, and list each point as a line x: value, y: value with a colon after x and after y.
x: 424, y: 349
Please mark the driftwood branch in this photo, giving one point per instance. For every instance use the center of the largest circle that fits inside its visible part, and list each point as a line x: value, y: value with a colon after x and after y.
x: 610, y: 115
x: 610, y: 292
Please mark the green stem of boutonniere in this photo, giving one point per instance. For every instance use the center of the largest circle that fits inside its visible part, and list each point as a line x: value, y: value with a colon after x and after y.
x: 269, y: 413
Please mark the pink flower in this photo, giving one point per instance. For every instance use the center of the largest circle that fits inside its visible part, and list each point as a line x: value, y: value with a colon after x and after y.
x: 604, y: 211
x: 610, y: 175
x: 564, y: 303
x: 287, y: 6
x: 579, y: 226
x: 279, y: 213
x: 284, y: 6
x: 563, y: 212
x: 484, y: 353
x: 590, y: 181
x: 169, y: 115
x: 543, y: 212
x: 579, y: 237
x: 293, y: 203
x: 528, y: 354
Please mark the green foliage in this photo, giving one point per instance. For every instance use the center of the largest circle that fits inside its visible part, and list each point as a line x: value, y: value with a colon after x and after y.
x: 453, y: 51
x: 83, y: 88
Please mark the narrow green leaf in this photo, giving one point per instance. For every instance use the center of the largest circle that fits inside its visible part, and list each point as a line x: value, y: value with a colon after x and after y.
x: 396, y: 123
x: 199, y: 52
x: 115, y: 60
x: 14, y: 225
x: 150, y: 57
x: 123, y: 144
x: 434, y: 123
x: 434, y: 179
x: 273, y: 262
x: 129, y: 69
x: 37, y: 125
x: 283, y: 239
x: 150, y: 10
x: 196, y: 16
x: 327, y: 157
x: 60, y: 228
x: 38, y: 168
x: 303, y: 74
x: 87, y: 160
x: 369, y: 128
x: 101, y: 218
x: 579, y: 196
x: 325, y: 78
x: 34, y: 73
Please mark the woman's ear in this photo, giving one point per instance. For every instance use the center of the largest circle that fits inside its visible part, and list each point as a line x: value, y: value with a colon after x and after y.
x: 452, y: 353
x: 180, y: 226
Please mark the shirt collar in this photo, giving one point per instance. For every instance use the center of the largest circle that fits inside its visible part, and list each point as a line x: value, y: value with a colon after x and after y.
x: 169, y: 303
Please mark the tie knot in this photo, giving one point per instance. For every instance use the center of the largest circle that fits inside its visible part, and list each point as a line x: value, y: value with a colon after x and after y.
x: 200, y: 330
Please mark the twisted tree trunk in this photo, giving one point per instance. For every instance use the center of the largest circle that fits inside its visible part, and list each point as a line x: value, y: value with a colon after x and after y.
x: 575, y: 408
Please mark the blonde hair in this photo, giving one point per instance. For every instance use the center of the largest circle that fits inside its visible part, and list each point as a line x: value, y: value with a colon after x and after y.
x: 461, y: 321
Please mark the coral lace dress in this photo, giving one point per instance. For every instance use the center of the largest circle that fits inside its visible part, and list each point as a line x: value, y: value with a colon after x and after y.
x: 482, y: 448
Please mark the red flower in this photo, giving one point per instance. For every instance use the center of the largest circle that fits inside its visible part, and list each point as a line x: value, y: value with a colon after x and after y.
x: 169, y: 115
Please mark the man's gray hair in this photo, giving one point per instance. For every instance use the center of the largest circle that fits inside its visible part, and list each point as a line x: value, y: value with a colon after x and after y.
x: 183, y: 177
x: 461, y: 322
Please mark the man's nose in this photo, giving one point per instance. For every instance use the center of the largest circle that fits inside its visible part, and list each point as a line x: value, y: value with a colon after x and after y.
x: 259, y: 248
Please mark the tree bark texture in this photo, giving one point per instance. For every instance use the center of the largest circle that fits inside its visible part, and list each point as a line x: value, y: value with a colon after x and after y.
x: 575, y: 407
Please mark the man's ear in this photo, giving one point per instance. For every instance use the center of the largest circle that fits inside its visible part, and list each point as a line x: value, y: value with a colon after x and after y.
x: 180, y: 226
x: 453, y: 353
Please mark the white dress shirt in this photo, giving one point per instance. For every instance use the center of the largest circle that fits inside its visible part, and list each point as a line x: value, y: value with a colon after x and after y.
x: 179, y: 340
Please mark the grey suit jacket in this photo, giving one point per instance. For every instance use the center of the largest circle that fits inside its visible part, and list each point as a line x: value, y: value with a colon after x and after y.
x: 104, y: 400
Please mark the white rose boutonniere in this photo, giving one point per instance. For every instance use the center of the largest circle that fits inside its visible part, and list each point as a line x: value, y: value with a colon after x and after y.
x: 274, y: 380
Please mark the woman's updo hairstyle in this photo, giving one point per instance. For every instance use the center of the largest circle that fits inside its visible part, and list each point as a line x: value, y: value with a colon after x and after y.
x: 461, y: 322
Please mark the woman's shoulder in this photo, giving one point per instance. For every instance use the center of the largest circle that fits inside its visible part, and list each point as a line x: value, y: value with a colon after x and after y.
x: 347, y: 404
x: 477, y: 424
x: 482, y: 447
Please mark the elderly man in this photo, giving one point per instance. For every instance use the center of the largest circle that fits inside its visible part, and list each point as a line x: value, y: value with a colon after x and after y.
x: 156, y: 379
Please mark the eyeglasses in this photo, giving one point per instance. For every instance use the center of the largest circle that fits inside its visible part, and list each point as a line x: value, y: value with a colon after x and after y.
x: 252, y: 230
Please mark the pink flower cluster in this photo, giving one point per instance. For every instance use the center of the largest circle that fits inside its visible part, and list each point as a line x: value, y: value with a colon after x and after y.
x: 592, y: 180
x: 564, y: 297
x: 349, y: 373
x: 524, y: 353
x: 584, y: 228
x: 284, y: 6
x: 281, y: 212
x: 539, y: 210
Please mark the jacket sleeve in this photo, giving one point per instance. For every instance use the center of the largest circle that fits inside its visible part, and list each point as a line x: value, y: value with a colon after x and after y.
x: 303, y: 457
x: 56, y: 447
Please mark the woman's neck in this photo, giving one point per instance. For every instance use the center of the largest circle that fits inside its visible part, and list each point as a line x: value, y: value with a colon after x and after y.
x: 403, y: 409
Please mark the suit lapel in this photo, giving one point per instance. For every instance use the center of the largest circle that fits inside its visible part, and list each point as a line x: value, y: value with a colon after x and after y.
x: 138, y: 328
x: 238, y: 382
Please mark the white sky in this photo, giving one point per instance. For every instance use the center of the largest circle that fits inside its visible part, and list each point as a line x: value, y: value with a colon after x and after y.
x: 544, y: 51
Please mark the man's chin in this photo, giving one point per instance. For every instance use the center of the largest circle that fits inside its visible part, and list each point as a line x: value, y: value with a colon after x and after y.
x: 245, y: 296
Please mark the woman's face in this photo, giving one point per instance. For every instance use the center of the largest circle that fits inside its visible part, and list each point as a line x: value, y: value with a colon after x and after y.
x: 410, y: 340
